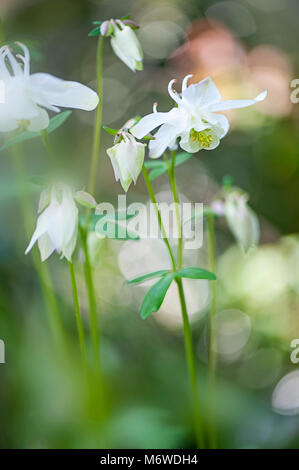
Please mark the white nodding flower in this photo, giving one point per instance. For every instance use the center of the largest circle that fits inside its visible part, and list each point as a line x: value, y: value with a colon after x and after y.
x: 29, y: 96
x: 127, y: 158
x: 57, y: 226
x: 241, y: 219
x: 126, y: 46
x: 194, y: 120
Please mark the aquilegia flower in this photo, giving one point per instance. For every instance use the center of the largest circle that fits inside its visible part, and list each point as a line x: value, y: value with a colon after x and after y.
x: 27, y: 97
x: 124, y: 42
x: 127, y: 157
x: 57, y: 225
x: 193, y: 120
x: 240, y: 218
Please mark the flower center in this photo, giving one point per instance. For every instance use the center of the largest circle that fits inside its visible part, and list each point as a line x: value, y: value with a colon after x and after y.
x: 203, y: 137
x: 23, y: 124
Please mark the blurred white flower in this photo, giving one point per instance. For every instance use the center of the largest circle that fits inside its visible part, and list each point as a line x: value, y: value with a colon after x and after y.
x: 127, y: 158
x: 241, y: 219
x: 57, y: 225
x: 193, y: 120
x: 27, y: 95
x: 126, y: 46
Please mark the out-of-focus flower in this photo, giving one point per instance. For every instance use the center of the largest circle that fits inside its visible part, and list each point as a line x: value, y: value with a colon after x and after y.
x: 27, y: 95
x: 193, y: 120
x: 127, y: 157
x: 57, y: 225
x: 240, y: 218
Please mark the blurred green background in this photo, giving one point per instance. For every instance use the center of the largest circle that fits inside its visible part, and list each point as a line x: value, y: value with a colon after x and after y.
x: 245, y: 46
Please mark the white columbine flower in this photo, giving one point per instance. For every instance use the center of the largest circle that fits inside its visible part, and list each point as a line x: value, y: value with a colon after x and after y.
x: 240, y: 218
x: 193, y: 120
x: 28, y: 96
x: 57, y: 225
x: 126, y: 46
x: 127, y: 158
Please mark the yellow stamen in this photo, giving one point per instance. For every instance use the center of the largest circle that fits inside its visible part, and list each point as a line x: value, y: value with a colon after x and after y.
x: 203, y: 137
x: 23, y: 124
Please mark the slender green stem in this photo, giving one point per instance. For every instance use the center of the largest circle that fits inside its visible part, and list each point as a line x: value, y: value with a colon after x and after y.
x: 172, y: 180
x: 78, y: 313
x: 159, y: 217
x: 41, y: 268
x: 187, y: 329
x: 191, y: 363
x: 47, y: 144
x: 91, y: 300
x: 212, y: 329
x: 98, y: 121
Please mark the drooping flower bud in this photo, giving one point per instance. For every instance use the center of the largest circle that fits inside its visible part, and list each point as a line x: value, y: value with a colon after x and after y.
x: 127, y: 158
x: 126, y: 46
x: 57, y: 226
x: 241, y: 219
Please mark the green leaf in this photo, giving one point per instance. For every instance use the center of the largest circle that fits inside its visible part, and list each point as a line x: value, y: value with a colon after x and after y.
x: 55, y: 122
x: 110, y: 130
x: 115, y: 224
x: 196, y: 273
x: 160, y: 273
x: 149, y: 164
x: 157, y: 172
x: 95, y: 32
x: 13, y: 189
x: 182, y: 158
x: 126, y: 17
x: 155, y: 296
x: 58, y: 120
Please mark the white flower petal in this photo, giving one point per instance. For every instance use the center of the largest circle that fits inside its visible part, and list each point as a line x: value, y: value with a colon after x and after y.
x: 219, y: 123
x: 126, y: 46
x: 164, y: 138
x: 45, y: 246
x: 151, y: 121
x: 235, y: 104
x: 40, y: 122
x: 201, y: 94
x: 46, y: 88
x: 41, y: 228
x: 7, y: 122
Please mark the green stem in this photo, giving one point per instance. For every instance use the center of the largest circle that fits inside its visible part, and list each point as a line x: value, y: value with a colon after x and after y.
x: 187, y: 329
x: 47, y: 144
x: 172, y: 179
x: 159, y: 217
x: 212, y: 329
x: 91, y: 300
x: 186, y: 323
x: 78, y: 313
x: 41, y: 268
x: 98, y: 121
x: 191, y: 363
